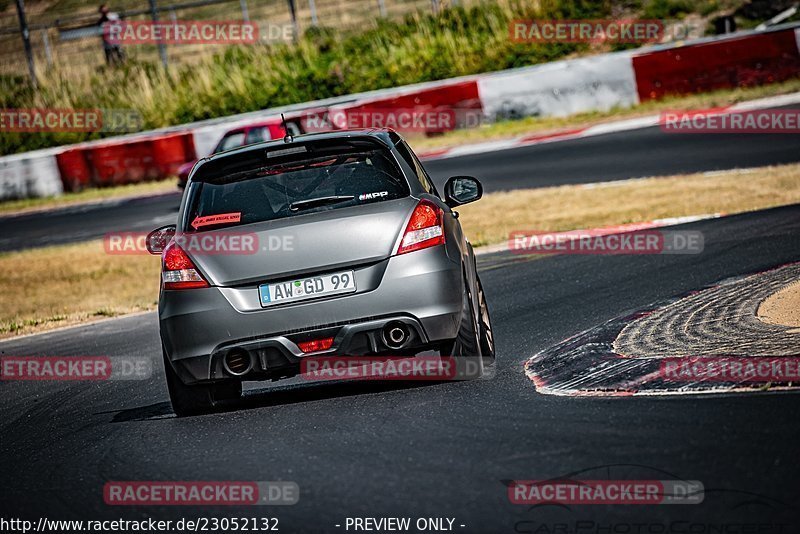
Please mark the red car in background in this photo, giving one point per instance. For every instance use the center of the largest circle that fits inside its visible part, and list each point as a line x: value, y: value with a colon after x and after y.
x: 245, y: 135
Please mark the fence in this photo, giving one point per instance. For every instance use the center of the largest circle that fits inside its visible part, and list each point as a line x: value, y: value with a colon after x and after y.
x: 68, y: 34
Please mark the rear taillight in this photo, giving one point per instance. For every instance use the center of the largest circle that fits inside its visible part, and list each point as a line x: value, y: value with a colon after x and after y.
x: 316, y: 345
x: 425, y: 228
x: 178, y: 271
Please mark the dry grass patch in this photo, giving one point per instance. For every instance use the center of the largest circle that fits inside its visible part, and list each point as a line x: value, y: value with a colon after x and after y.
x: 575, y: 206
x: 782, y: 308
x: 56, y: 286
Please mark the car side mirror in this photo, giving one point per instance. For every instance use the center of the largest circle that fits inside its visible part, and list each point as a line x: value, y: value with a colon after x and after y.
x: 158, y: 239
x: 462, y: 190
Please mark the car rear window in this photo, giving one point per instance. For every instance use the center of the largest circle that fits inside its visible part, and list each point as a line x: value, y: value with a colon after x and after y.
x: 294, y: 188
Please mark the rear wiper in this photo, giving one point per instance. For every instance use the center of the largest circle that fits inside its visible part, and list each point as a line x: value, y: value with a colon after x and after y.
x: 313, y: 202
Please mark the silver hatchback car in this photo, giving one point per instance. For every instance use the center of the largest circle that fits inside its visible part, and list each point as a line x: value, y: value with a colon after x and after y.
x: 332, y: 244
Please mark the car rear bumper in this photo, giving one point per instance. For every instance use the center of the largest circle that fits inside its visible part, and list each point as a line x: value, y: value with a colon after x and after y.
x: 422, y: 290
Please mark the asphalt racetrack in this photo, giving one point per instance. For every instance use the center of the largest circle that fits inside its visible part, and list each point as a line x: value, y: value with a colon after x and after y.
x: 615, y: 156
x: 431, y: 450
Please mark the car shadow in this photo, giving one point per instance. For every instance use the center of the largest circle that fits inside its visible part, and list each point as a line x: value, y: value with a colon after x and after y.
x: 283, y: 395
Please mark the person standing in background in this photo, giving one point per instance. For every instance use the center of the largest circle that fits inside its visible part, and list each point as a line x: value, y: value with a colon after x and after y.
x: 113, y: 51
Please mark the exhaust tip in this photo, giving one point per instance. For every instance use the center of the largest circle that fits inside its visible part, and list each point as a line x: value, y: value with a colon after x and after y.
x: 395, y: 335
x: 238, y: 362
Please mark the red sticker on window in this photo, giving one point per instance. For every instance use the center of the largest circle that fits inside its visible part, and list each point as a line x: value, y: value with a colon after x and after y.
x: 222, y: 218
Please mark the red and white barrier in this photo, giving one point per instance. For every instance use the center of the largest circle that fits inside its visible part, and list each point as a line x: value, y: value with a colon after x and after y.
x: 125, y: 161
x: 560, y: 88
x: 555, y: 89
x: 740, y: 61
x: 31, y: 174
x: 457, y: 97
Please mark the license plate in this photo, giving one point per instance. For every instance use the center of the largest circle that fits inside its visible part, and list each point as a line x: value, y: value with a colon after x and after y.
x: 307, y: 288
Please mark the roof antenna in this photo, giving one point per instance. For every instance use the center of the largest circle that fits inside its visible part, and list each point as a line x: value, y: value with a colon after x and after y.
x: 287, y: 138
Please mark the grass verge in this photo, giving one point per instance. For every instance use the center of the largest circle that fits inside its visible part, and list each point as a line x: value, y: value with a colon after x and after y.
x: 573, y: 207
x: 58, y: 286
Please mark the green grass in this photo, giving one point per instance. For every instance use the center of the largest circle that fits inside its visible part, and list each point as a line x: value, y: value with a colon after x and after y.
x: 324, y: 63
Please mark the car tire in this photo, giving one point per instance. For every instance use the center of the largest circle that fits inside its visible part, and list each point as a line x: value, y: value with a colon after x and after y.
x: 198, y: 399
x: 467, y: 342
x: 485, y: 333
